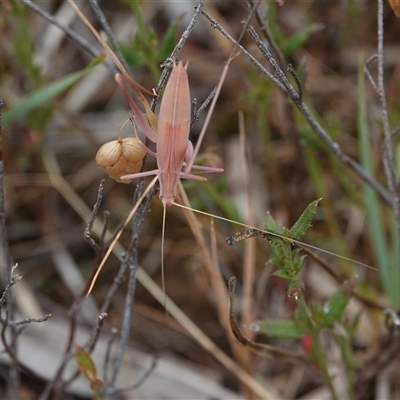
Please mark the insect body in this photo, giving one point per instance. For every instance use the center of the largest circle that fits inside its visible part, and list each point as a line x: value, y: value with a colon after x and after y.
x: 172, y: 139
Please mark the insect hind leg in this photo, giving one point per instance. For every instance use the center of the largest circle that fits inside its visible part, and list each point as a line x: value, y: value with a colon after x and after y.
x: 204, y: 169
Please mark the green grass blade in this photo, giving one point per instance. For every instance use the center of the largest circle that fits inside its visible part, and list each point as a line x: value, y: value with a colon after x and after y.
x: 389, y: 275
x: 45, y: 94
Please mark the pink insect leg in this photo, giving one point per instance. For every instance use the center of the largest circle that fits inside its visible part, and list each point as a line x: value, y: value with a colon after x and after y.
x: 142, y: 122
x: 204, y: 169
x: 142, y: 145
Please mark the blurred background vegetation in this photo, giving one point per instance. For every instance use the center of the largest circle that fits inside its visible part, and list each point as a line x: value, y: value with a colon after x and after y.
x: 62, y: 104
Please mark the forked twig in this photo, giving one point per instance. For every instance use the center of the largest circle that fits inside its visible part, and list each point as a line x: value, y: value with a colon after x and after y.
x: 88, y: 231
x: 249, y: 270
x: 366, y: 70
x: 297, y: 80
x: 119, y: 233
x: 175, y: 53
x: 264, y: 27
x: 280, y: 80
x: 147, y: 373
x: 216, y: 25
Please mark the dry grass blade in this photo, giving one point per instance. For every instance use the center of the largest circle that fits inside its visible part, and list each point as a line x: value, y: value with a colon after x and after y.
x: 119, y: 233
x: 249, y: 273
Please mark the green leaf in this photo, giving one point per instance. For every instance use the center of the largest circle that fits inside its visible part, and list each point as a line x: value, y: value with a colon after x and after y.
x: 367, y: 292
x: 153, y: 39
x: 352, y: 326
x: 131, y: 56
x: 389, y: 270
x: 86, y: 365
x: 298, y: 39
x: 169, y: 40
x: 273, y: 23
x: 335, y: 306
x: 280, y: 273
x: 283, y: 329
x: 270, y: 224
x: 298, y: 264
x: 23, y: 42
x: 318, y: 316
x: 304, y: 222
x: 43, y: 96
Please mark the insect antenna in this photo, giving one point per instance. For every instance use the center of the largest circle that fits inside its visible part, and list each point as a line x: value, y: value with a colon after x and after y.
x: 162, y: 255
x: 254, y: 231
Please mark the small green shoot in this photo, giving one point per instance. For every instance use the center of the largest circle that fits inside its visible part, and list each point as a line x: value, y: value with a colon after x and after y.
x: 288, y: 260
x: 88, y: 370
x: 298, y: 39
x: 146, y: 49
x: 289, y: 45
x: 308, y: 321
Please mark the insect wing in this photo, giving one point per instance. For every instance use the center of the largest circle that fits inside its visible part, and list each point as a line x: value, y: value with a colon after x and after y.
x: 174, y: 122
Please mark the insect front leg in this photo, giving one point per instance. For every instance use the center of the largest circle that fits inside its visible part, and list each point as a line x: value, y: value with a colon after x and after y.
x: 142, y: 122
x: 142, y: 145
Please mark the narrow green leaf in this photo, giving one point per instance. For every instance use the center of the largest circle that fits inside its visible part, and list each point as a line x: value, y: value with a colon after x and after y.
x: 86, y: 365
x: 335, y: 306
x: 282, y: 329
x: 169, y: 40
x: 318, y: 316
x: 297, y: 40
x: 389, y: 273
x: 43, y: 96
x: 131, y: 56
x: 270, y: 224
x: 280, y: 273
x: 298, y: 263
x: 304, y: 222
x: 353, y: 324
x: 368, y: 292
x: 23, y: 42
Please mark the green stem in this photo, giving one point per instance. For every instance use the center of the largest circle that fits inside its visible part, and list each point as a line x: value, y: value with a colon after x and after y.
x: 318, y: 356
x: 316, y: 174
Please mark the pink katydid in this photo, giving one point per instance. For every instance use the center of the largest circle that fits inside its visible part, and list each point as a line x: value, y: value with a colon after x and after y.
x: 172, y: 139
x: 172, y: 143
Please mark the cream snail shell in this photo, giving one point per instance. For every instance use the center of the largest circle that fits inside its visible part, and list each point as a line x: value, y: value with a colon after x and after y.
x: 120, y: 157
